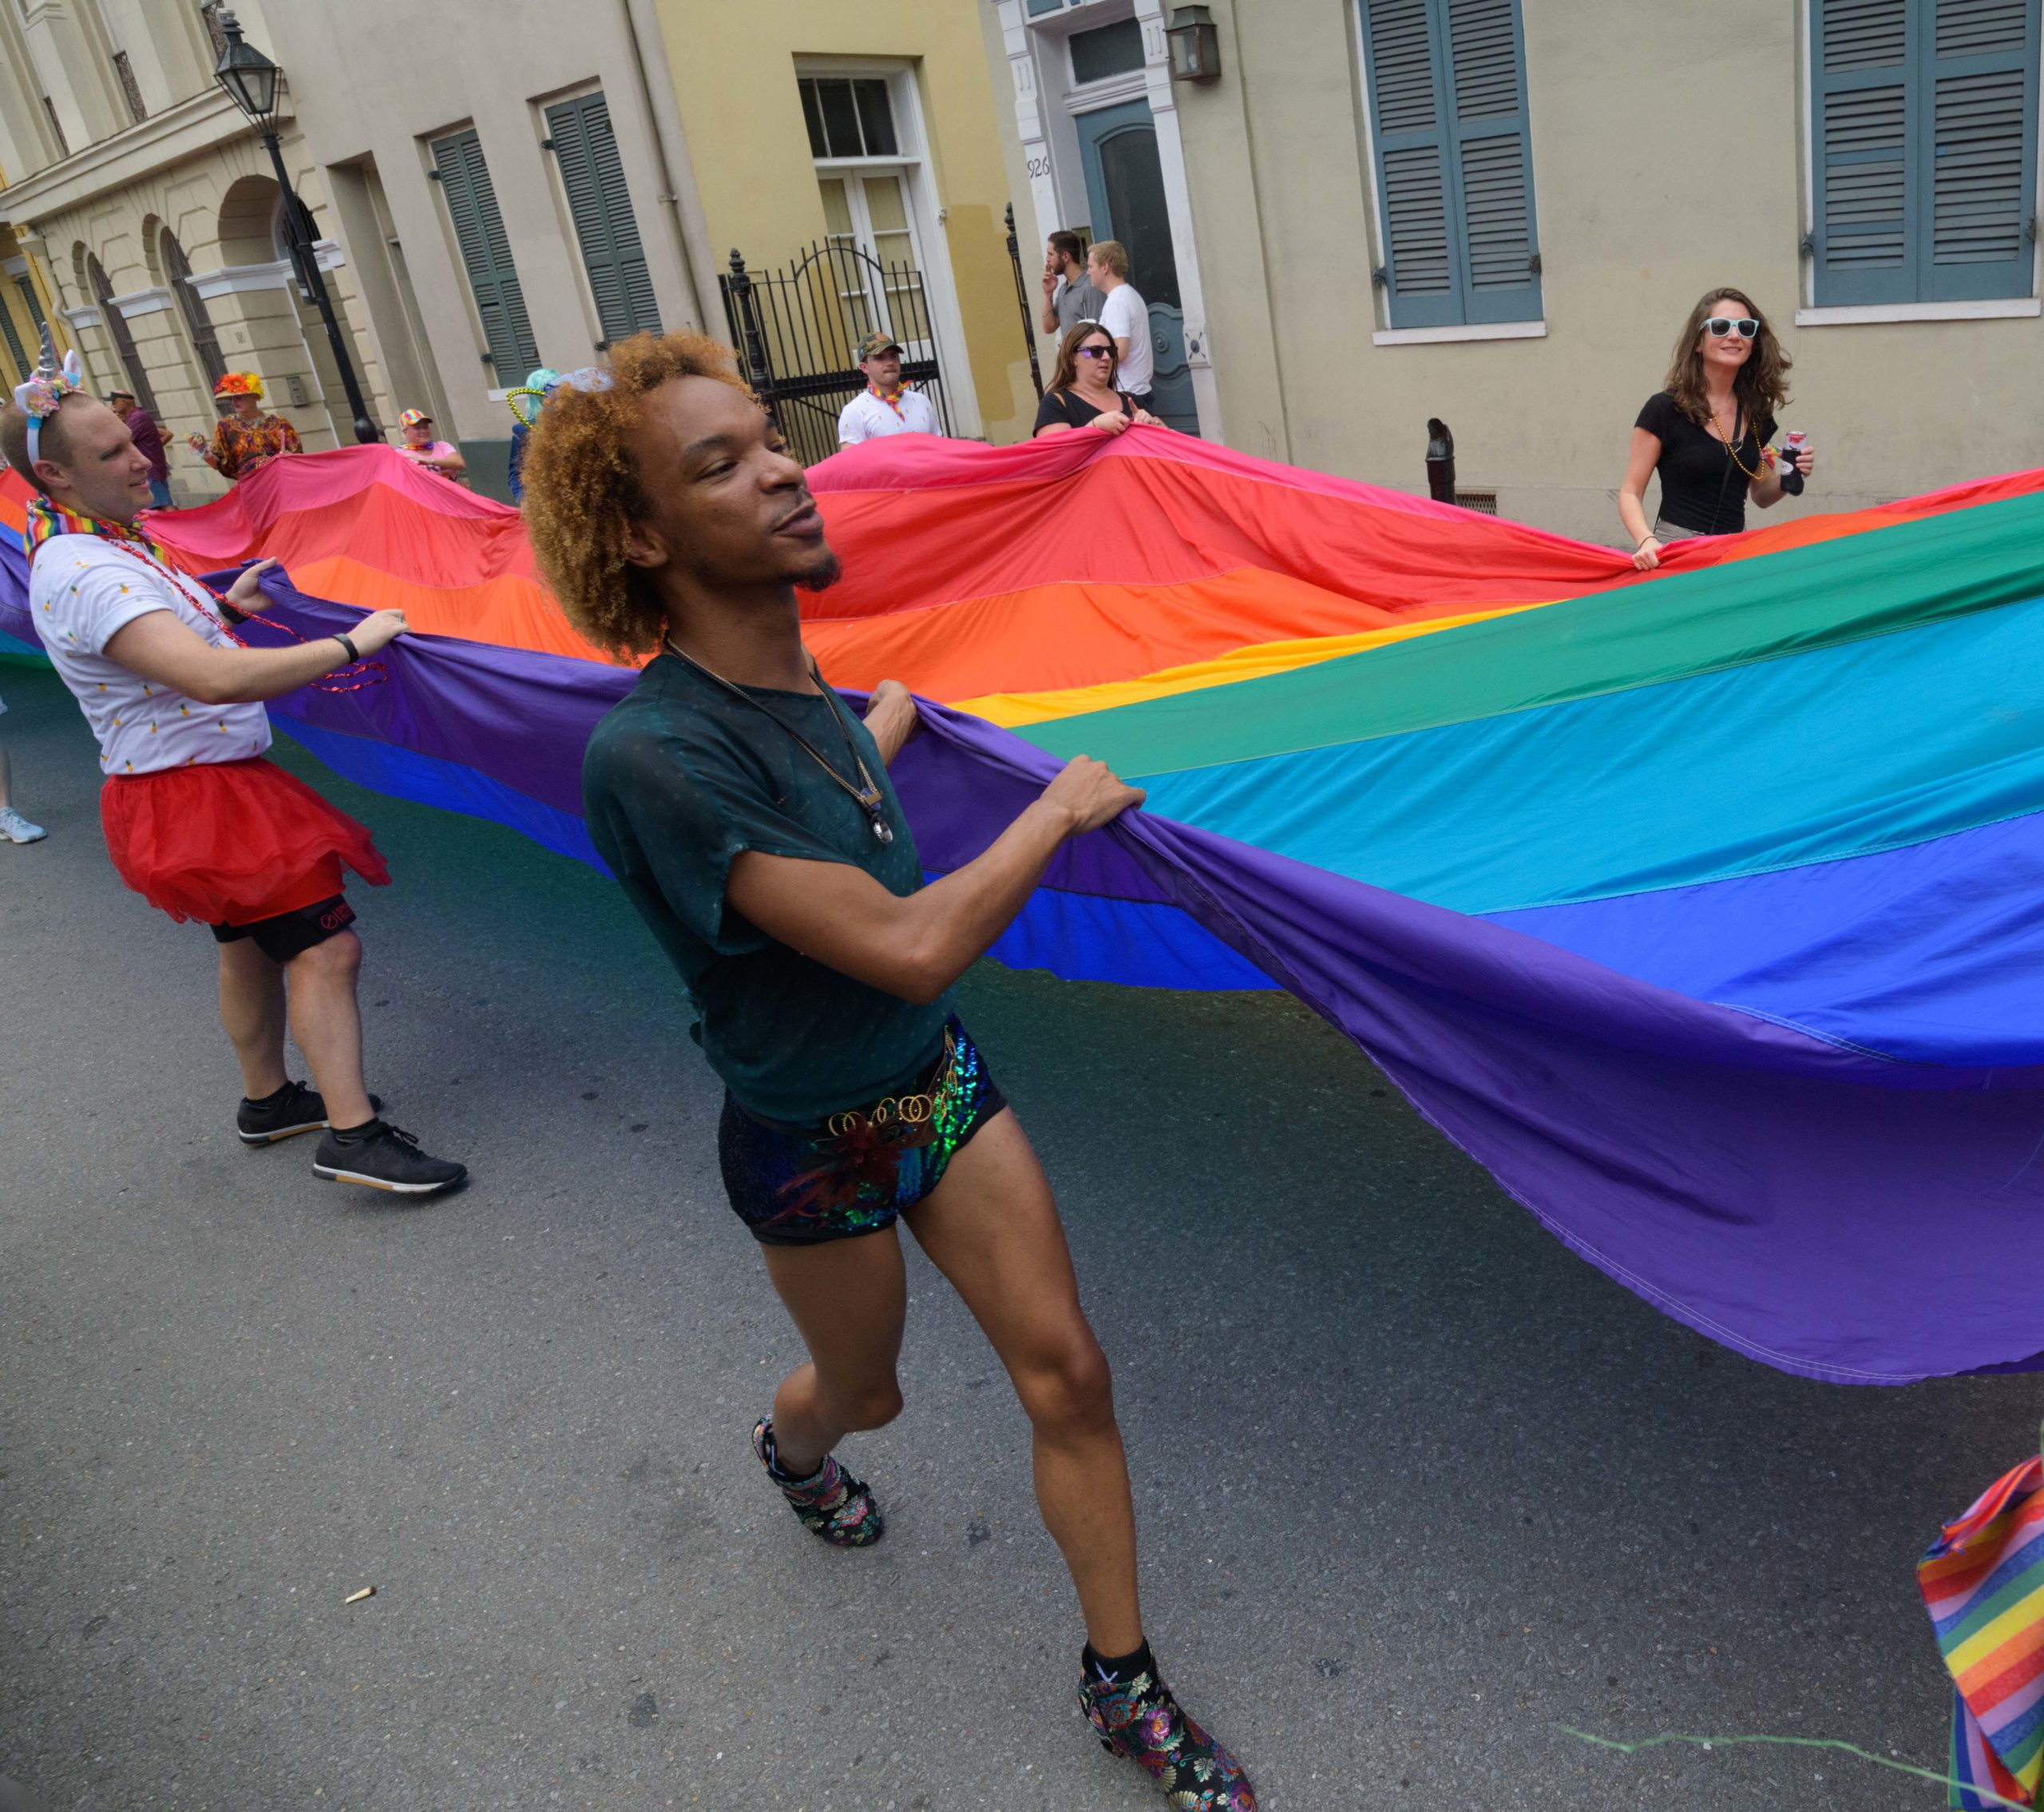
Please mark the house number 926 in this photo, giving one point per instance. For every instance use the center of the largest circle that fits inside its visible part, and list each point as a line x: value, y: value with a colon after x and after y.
x: 1038, y: 167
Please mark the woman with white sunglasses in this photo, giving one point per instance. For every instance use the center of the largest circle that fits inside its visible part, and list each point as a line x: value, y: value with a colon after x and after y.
x: 1706, y: 433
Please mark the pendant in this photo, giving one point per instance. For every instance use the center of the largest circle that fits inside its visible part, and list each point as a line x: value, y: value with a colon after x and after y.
x: 881, y: 830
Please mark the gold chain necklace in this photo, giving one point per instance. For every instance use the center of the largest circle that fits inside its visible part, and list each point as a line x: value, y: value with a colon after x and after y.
x: 1732, y: 446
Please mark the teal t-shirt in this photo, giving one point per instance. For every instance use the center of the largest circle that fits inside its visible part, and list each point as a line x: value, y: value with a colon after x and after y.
x: 679, y: 778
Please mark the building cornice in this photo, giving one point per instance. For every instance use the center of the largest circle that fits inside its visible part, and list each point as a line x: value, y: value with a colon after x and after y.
x: 239, y: 279
x: 179, y: 134
x: 141, y: 302
x: 77, y: 319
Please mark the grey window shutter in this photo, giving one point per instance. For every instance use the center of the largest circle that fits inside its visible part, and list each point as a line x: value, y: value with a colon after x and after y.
x: 585, y: 148
x: 458, y: 161
x: 34, y: 302
x: 1982, y: 65
x: 1493, y: 166
x: 1861, y: 121
x: 22, y: 364
x: 1409, y: 110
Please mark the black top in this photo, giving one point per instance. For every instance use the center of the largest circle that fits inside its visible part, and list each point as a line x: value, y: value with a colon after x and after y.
x: 1071, y: 409
x: 680, y: 777
x: 1701, y: 486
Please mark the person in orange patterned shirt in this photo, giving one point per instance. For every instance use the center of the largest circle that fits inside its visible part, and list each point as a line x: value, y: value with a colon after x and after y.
x: 242, y: 441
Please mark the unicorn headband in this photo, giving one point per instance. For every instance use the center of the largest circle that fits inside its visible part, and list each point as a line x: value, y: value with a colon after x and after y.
x: 47, y: 388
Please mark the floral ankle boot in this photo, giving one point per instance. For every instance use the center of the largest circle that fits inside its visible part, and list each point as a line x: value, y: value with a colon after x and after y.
x: 829, y: 1502
x: 1140, y: 1719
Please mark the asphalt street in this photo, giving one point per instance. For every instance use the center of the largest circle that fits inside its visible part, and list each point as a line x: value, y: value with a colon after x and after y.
x: 1417, y: 1487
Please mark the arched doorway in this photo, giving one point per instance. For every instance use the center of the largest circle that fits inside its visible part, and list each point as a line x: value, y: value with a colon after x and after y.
x: 253, y: 234
x: 1125, y: 185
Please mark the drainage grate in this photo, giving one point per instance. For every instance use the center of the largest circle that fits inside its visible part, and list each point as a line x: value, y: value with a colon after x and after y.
x: 1485, y: 502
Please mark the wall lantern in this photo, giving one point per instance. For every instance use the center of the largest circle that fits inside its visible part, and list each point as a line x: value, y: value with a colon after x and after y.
x: 1195, y: 45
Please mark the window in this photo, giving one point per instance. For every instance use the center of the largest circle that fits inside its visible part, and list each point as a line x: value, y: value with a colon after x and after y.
x: 464, y: 180
x: 1454, y: 166
x: 116, y: 328
x: 585, y: 149
x: 34, y: 301
x: 1105, y: 51
x: 57, y: 126
x: 198, y: 323
x: 848, y: 116
x: 1923, y: 124
x: 874, y: 259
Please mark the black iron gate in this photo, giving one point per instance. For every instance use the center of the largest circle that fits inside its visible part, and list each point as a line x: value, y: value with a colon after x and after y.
x: 797, y: 334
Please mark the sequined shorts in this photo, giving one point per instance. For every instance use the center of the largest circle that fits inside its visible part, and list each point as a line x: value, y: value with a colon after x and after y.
x: 801, y: 1185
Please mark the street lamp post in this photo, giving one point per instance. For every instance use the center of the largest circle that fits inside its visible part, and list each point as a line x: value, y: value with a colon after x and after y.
x: 252, y: 81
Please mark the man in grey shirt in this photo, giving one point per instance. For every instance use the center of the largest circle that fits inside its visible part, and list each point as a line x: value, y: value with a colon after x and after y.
x: 1069, y: 296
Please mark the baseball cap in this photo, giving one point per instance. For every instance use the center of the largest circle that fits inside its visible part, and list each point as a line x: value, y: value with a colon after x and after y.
x: 876, y: 343
x: 413, y: 418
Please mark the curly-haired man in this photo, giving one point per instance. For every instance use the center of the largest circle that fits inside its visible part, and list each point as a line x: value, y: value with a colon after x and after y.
x: 748, y: 815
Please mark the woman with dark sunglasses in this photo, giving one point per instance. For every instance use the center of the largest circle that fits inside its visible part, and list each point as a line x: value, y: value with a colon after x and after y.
x: 1082, y: 393
x: 1706, y: 433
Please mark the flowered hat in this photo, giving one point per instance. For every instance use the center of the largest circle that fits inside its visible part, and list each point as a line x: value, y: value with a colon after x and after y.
x: 238, y: 383
x: 414, y: 418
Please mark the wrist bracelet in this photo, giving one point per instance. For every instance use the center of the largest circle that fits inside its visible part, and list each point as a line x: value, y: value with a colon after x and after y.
x: 354, y: 653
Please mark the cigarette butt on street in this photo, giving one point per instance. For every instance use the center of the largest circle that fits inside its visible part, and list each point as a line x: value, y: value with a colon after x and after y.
x: 357, y: 1597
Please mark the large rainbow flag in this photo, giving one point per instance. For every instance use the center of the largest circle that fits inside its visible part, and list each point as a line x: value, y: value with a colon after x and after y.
x: 1702, y: 907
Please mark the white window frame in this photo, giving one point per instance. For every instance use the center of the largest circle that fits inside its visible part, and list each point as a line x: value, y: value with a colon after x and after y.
x: 926, y: 214
x: 1808, y: 314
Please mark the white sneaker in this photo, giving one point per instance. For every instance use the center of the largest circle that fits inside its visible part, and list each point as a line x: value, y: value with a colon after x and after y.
x: 17, y: 829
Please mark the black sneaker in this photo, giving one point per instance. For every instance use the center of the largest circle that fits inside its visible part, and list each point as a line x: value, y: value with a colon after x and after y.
x: 293, y: 1109
x: 383, y: 1157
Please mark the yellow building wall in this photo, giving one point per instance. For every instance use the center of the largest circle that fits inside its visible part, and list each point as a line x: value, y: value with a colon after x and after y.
x: 733, y: 64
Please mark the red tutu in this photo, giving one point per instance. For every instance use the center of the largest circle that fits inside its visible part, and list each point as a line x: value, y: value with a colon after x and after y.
x: 231, y: 842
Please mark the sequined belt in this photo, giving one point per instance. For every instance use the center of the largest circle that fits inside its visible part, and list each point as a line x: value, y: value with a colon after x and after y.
x: 899, y: 1112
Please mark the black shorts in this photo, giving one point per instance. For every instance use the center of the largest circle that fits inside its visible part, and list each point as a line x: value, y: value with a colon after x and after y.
x: 292, y: 934
x: 801, y: 1185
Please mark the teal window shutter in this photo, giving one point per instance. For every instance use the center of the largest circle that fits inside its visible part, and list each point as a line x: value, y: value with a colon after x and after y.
x: 585, y: 148
x: 34, y: 302
x: 1448, y: 120
x: 458, y: 163
x: 1924, y: 115
x: 1981, y: 178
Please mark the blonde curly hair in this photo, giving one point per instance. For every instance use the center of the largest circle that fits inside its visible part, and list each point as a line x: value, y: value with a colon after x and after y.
x: 583, y: 491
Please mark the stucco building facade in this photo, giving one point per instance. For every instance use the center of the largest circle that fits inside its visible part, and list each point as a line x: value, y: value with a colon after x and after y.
x: 509, y: 194
x: 145, y: 207
x: 1498, y: 213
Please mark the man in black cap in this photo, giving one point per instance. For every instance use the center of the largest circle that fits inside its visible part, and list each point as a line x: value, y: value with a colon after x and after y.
x: 889, y: 404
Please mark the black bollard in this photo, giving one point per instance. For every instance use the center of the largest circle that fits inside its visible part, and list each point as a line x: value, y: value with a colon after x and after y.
x: 1441, y: 460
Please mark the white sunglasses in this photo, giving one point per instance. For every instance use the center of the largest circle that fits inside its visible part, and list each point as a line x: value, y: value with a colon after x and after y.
x: 1718, y: 326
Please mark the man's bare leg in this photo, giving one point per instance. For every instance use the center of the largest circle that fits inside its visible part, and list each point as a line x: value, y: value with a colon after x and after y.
x: 992, y: 1227
x: 327, y: 1021
x: 252, y: 1011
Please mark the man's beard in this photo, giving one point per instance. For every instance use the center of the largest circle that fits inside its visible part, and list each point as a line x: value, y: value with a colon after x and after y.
x: 828, y: 570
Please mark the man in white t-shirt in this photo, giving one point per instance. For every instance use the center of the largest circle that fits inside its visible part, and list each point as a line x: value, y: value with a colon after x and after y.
x: 1126, y: 315
x: 196, y: 821
x: 888, y: 405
